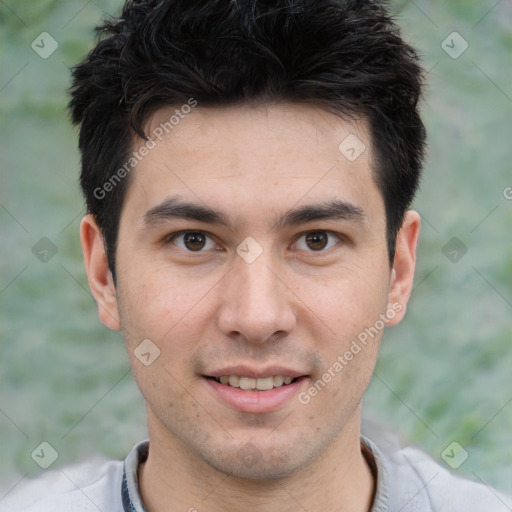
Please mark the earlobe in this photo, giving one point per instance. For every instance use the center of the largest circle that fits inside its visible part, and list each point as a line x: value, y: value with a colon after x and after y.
x: 404, y: 265
x: 98, y: 274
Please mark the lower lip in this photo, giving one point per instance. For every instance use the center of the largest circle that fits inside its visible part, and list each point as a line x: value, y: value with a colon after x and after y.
x: 256, y: 401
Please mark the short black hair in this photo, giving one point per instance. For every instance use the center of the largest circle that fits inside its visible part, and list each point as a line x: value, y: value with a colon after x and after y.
x: 345, y: 56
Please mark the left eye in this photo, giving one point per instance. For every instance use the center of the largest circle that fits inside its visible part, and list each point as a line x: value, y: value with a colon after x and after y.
x: 317, y: 240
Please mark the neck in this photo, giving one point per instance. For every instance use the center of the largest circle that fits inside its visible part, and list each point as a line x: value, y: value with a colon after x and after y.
x: 174, y: 478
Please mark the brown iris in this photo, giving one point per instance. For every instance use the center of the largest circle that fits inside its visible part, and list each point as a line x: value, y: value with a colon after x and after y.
x: 194, y: 240
x: 316, y: 240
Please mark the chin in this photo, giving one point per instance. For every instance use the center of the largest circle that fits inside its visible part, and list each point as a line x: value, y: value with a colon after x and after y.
x: 253, y: 462
x: 262, y: 470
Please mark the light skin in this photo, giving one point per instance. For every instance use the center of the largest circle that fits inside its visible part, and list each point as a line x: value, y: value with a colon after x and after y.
x: 300, y: 304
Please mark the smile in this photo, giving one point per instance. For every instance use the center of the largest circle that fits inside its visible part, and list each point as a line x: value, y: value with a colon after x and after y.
x: 251, y: 384
x: 256, y: 394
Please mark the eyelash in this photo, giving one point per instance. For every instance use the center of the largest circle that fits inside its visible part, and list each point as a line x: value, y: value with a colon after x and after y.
x: 170, y: 238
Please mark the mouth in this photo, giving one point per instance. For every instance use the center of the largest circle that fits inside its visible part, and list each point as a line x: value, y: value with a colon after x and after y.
x: 256, y: 392
x: 255, y: 384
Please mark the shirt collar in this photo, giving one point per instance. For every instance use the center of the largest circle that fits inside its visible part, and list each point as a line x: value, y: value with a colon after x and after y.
x: 377, y: 464
x: 130, y: 494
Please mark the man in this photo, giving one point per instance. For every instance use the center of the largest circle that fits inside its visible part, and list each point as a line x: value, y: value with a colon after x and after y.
x: 248, y: 167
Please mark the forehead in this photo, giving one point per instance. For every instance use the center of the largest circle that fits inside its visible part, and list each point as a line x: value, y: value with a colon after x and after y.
x: 266, y: 130
x: 247, y: 157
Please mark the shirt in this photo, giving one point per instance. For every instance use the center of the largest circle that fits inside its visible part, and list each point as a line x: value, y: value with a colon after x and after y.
x: 406, y: 480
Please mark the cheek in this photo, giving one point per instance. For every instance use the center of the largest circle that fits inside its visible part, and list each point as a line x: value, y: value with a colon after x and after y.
x: 350, y: 330
x: 348, y: 300
x: 160, y: 296
x: 170, y: 309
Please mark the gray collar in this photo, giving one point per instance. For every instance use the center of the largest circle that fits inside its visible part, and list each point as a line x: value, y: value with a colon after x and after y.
x: 130, y: 494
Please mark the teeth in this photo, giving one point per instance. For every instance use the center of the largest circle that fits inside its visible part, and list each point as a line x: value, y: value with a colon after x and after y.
x: 278, y: 381
x: 234, y: 381
x: 265, y: 383
x: 247, y: 383
x: 250, y: 384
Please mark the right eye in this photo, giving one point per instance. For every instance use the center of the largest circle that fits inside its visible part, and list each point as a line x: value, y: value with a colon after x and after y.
x: 191, y: 241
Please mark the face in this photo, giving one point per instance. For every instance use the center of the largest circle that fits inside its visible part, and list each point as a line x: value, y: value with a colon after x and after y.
x: 251, y: 249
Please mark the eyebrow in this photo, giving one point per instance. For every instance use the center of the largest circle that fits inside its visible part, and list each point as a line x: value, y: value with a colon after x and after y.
x: 175, y: 208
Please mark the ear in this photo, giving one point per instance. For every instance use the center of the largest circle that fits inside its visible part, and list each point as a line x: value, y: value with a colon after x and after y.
x: 404, y: 264
x: 100, y: 277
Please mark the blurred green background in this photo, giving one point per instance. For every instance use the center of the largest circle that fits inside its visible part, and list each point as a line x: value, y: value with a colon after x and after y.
x: 444, y: 374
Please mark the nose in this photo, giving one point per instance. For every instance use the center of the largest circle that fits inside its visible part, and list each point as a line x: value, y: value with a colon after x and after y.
x: 257, y: 306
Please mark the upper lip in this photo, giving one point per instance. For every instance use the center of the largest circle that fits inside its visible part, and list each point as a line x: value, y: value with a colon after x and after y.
x: 256, y: 373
